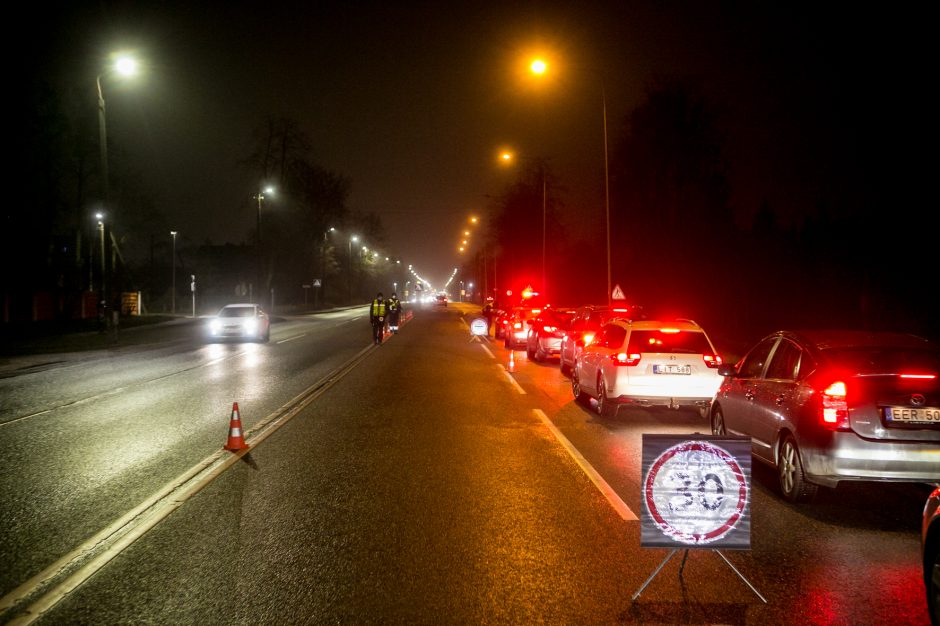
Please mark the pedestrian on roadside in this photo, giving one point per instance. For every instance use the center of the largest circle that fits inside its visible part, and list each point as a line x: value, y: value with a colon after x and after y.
x: 394, y: 312
x: 377, y: 314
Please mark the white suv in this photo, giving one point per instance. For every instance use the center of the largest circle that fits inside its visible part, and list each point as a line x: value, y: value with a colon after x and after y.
x: 648, y: 363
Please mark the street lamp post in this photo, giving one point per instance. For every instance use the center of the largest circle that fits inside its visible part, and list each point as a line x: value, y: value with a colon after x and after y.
x: 540, y: 67
x: 259, y: 271
x: 349, y: 243
x: 173, y: 288
x: 507, y: 157
x: 101, y: 288
x: 125, y: 66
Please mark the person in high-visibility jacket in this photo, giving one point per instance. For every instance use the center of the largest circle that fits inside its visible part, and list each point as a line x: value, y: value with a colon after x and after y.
x: 393, y: 306
x: 377, y: 317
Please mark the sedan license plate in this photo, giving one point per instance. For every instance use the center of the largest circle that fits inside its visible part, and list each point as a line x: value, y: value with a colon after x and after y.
x: 672, y: 369
x: 908, y: 415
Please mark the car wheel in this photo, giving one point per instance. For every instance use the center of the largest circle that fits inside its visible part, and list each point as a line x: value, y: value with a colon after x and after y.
x: 793, y: 484
x: 605, y: 407
x: 579, y: 395
x: 718, y: 422
x: 565, y: 369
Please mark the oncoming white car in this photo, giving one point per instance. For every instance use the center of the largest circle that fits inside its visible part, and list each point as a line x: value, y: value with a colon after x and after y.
x: 240, y: 321
x: 648, y: 363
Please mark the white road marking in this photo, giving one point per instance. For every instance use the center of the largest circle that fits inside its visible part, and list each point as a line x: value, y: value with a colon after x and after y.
x: 292, y: 338
x: 88, y: 558
x: 512, y: 380
x: 615, y: 501
x: 487, y: 350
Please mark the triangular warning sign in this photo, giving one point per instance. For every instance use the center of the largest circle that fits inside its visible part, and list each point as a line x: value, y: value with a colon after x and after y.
x: 617, y: 293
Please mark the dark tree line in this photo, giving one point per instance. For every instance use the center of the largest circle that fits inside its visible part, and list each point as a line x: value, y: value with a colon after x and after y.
x: 855, y: 258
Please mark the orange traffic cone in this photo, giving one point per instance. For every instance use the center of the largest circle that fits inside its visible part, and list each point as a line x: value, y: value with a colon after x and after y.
x: 236, y: 441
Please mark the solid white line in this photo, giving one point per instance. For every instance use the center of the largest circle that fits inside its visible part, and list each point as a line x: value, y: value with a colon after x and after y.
x: 619, y: 505
x: 512, y: 380
x: 487, y: 350
x: 134, y: 524
x: 292, y: 338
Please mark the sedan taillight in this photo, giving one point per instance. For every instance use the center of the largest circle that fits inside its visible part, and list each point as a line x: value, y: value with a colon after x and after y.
x: 588, y: 338
x: 712, y: 360
x: 622, y: 358
x: 835, y: 407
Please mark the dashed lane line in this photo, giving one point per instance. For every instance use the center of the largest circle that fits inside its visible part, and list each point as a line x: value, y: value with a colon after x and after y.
x: 512, y: 380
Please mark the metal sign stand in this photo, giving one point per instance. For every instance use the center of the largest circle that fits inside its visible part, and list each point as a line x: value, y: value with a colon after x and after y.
x: 682, y: 567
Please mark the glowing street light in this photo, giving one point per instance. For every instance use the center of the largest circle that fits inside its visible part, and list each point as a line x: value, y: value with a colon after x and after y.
x: 538, y: 66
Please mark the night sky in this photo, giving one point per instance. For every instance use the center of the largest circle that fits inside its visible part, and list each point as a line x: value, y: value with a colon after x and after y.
x: 413, y: 101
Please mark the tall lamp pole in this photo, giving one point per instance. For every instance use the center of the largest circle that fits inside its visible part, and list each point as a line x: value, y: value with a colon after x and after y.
x: 606, y: 196
x: 173, y: 289
x: 349, y: 243
x: 260, y: 198
x: 101, y: 290
x: 125, y: 66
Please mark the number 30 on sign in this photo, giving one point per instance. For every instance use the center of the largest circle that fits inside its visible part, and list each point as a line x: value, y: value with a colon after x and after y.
x: 696, y: 492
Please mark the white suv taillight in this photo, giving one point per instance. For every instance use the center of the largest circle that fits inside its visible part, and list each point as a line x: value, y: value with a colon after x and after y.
x: 712, y: 360
x: 622, y: 358
x: 835, y: 407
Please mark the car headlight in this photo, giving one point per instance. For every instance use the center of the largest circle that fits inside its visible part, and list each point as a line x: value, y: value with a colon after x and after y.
x: 215, y: 326
x: 250, y: 326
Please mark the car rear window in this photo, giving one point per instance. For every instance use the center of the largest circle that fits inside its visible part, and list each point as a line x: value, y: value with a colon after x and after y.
x: 240, y: 311
x: 682, y: 342
x: 885, y: 360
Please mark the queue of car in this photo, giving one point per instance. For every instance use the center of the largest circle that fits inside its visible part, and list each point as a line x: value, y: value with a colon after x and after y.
x: 820, y: 407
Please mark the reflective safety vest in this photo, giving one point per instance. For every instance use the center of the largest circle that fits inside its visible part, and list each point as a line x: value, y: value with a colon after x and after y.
x: 378, y: 308
x: 393, y: 305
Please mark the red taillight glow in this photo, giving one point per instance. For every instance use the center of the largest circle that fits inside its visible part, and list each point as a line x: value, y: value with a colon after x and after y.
x: 712, y: 360
x: 549, y: 329
x: 669, y: 331
x: 517, y: 325
x: 588, y: 338
x: 835, y: 407
x: 622, y: 358
x: 920, y: 376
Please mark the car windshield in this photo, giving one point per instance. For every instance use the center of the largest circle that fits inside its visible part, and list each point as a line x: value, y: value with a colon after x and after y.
x: 237, y: 311
x: 681, y: 342
x: 885, y: 360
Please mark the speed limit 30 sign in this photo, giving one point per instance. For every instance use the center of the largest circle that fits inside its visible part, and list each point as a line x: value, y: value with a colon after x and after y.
x: 696, y: 492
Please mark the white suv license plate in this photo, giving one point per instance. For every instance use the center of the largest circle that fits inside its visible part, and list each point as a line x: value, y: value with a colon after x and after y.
x: 912, y: 416
x: 672, y: 369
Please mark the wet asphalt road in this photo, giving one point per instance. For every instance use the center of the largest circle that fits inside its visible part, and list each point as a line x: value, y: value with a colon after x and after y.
x: 420, y: 488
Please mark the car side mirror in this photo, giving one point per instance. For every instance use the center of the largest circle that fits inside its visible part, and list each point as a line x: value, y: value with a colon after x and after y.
x: 727, y: 370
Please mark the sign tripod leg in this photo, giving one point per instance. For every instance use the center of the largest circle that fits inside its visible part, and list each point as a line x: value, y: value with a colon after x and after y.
x: 655, y: 572
x: 682, y: 566
x: 741, y: 576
